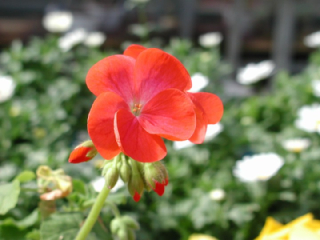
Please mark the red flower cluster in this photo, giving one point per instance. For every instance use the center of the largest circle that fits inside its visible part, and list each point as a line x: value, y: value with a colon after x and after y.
x: 141, y: 98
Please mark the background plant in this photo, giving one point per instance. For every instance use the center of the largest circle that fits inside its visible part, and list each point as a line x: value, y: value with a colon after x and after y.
x: 47, y: 116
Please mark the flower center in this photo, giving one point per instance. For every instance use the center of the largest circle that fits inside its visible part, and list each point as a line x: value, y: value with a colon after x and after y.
x: 136, y: 109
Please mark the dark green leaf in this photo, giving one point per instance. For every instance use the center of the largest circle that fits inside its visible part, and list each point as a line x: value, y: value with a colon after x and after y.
x: 62, y: 226
x: 78, y: 186
x: 24, y: 223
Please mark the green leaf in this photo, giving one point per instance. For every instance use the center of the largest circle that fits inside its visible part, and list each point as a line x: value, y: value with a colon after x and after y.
x: 12, y: 233
x: 26, y: 176
x: 9, y: 194
x: 78, y: 186
x: 62, y: 226
x: 24, y: 223
x: 34, y: 235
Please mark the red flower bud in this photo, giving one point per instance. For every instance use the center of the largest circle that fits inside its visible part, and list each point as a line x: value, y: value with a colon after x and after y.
x: 159, y: 189
x: 156, y: 176
x: 136, y: 197
x: 83, y: 153
x: 136, y: 183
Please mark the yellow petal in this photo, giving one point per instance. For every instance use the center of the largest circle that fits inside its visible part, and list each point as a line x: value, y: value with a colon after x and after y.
x: 271, y: 225
x: 314, y: 225
x: 307, y: 218
x: 302, y: 233
x: 201, y: 237
x: 284, y: 231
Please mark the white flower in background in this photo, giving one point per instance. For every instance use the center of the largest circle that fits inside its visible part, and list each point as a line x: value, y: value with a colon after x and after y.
x: 95, y: 39
x: 7, y: 86
x: 58, y: 21
x: 316, y: 87
x: 98, y: 184
x: 72, y: 38
x: 199, y: 81
x: 258, y: 167
x: 309, y: 118
x: 312, y: 40
x: 296, y: 144
x: 217, y: 194
x: 212, y: 131
x: 255, y: 72
x: 210, y: 39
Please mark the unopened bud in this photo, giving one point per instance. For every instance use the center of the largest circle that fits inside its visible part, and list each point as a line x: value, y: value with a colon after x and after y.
x: 130, y: 222
x: 115, y: 226
x: 112, y: 177
x: 156, y: 176
x: 122, y: 234
x: 110, y: 172
x: 136, y: 182
x: 83, y: 152
x: 106, y: 166
x: 123, y: 227
x: 125, y: 170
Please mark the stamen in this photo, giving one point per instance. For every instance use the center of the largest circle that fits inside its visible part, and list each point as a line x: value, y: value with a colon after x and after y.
x: 136, y: 109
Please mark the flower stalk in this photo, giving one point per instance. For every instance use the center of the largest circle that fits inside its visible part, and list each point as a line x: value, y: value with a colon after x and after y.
x: 93, y: 215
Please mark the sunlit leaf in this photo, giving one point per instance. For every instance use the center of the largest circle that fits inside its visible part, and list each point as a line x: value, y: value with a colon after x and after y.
x: 9, y: 194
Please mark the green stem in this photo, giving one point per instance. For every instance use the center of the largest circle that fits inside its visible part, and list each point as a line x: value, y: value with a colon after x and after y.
x: 93, y: 215
x: 114, y: 209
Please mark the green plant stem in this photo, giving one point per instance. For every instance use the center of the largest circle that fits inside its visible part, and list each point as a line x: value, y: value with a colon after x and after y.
x: 114, y: 209
x: 93, y: 215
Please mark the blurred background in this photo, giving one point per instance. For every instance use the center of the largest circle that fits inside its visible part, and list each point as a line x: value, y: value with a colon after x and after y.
x: 261, y: 57
x: 251, y: 29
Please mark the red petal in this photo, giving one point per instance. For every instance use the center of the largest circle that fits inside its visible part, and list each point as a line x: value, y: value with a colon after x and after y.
x: 134, y: 50
x: 101, y: 123
x: 159, y: 189
x: 136, y: 197
x: 135, y: 141
x: 156, y: 70
x: 169, y: 114
x: 201, y: 127
x: 79, y: 155
x: 112, y: 74
x: 166, y: 182
x: 211, y: 105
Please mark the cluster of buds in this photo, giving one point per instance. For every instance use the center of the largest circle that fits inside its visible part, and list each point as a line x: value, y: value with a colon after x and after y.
x: 138, y: 176
x: 53, y: 184
x: 123, y: 228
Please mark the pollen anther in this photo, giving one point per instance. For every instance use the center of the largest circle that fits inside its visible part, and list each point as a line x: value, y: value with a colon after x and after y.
x: 136, y: 109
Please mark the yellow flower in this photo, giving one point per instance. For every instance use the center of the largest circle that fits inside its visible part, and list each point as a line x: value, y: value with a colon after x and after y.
x: 201, y: 237
x: 304, y: 227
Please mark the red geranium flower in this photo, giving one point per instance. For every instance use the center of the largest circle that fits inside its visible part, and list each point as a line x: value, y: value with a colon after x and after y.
x: 208, y: 107
x: 140, y: 99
